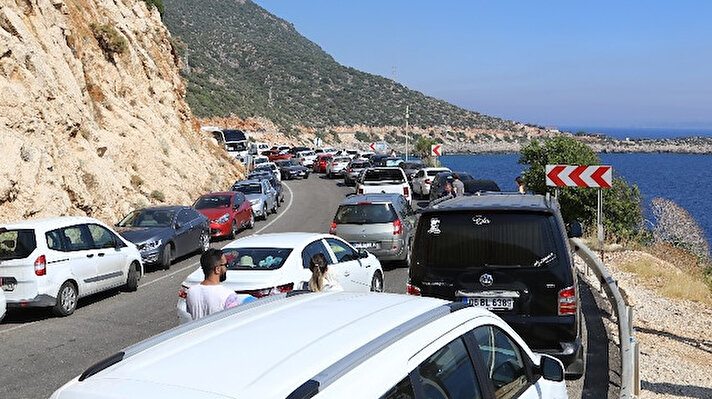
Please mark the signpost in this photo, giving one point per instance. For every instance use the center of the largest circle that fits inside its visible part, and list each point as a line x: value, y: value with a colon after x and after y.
x: 436, y: 150
x: 598, y: 176
x: 378, y: 147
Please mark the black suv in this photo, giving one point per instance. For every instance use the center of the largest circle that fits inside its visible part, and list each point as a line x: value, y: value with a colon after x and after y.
x: 508, y: 253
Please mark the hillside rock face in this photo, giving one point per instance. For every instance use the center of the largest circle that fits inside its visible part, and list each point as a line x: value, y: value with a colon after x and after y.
x: 86, y: 131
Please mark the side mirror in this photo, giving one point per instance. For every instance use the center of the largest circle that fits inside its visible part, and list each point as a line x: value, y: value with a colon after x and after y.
x: 551, y: 368
x: 177, y: 226
x: 574, y: 229
x: 362, y: 254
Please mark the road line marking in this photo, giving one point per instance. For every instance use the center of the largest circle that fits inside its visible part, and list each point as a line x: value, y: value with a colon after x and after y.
x: 18, y: 327
x: 284, y: 212
x: 194, y: 264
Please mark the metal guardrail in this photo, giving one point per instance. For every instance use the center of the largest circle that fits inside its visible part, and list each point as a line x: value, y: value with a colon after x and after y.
x: 630, y: 366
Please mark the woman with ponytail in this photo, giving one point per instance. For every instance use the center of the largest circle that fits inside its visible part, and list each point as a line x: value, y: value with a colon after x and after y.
x: 321, y: 279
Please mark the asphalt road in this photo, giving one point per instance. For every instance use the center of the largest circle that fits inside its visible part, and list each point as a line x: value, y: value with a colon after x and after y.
x: 39, y: 352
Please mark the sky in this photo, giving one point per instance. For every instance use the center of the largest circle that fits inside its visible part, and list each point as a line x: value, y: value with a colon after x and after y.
x: 631, y: 64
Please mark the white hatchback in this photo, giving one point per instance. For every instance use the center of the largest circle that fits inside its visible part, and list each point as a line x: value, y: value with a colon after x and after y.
x: 423, y: 178
x: 330, y: 345
x: 263, y: 265
x: 54, y: 262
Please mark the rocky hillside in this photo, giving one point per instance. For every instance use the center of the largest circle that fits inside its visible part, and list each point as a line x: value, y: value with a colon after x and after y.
x: 92, y: 113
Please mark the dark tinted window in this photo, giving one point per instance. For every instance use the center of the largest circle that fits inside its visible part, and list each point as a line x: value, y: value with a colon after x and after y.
x: 503, y: 361
x: 466, y: 239
x: 102, y: 237
x: 184, y: 217
x: 148, y: 218
x: 234, y: 135
x: 17, y: 244
x: 365, y: 213
x: 317, y: 247
x: 449, y: 373
x: 239, y: 199
x: 77, y: 238
x: 376, y: 175
x: 359, y: 165
x: 402, y: 390
x: 256, y: 258
x: 248, y: 188
x: 212, y: 202
x: 54, y: 240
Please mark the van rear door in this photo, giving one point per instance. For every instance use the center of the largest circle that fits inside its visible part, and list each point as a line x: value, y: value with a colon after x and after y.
x: 17, y: 272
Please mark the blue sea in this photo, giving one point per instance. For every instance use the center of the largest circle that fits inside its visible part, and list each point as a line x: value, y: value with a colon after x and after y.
x: 685, y: 179
x: 640, y: 132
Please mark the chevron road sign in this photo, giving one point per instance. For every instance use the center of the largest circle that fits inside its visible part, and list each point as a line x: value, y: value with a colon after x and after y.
x: 579, y: 176
x: 436, y: 150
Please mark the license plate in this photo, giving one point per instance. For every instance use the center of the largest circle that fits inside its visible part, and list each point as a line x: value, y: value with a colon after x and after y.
x: 365, y: 245
x: 491, y: 303
x: 7, y: 285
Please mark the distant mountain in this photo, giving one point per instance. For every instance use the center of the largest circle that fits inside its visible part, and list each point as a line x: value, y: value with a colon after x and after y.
x: 239, y: 59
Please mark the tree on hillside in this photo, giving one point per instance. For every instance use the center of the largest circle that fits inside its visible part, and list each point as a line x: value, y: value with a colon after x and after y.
x: 622, y: 214
x: 422, y: 150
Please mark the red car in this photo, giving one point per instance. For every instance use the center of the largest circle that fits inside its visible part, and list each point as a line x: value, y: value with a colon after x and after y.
x: 228, y: 212
x: 321, y: 162
x: 274, y: 155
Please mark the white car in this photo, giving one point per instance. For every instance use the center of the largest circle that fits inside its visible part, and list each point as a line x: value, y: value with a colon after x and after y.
x: 263, y: 265
x: 383, y: 180
x: 3, y: 304
x: 54, y: 262
x: 307, y: 158
x: 423, y: 178
x: 337, y: 166
x: 330, y: 345
x: 272, y: 167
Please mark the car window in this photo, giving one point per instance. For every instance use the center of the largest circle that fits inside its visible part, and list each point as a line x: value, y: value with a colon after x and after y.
x: 184, y: 217
x: 77, y: 238
x: 402, y: 390
x: 54, y: 240
x: 17, y: 244
x: 238, y: 200
x: 449, y: 373
x: 316, y: 247
x: 256, y: 258
x: 395, y: 175
x: 365, y: 213
x: 343, y: 252
x: 503, y: 361
x: 102, y: 237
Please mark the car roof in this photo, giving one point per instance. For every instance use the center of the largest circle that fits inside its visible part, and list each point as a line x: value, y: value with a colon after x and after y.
x: 220, y: 193
x: 248, y: 182
x: 48, y: 223
x: 306, y: 334
x: 496, y: 201
x: 375, y: 197
x: 277, y: 240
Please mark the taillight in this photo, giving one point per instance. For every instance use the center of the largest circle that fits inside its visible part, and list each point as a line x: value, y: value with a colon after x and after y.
x: 427, y: 181
x: 397, y: 227
x: 268, y: 291
x: 411, y: 289
x: 41, y: 265
x: 359, y: 191
x: 405, y: 192
x: 183, y: 292
x: 350, y: 170
x: 567, y: 301
x: 332, y: 230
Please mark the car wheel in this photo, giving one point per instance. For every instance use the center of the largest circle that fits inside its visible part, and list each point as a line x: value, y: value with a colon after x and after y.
x: 132, y: 279
x: 377, y: 282
x: 204, y: 241
x: 233, y: 229
x: 274, y: 207
x: 264, y: 212
x: 166, y: 256
x: 66, y: 299
x: 406, y: 261
x: 251, y: 223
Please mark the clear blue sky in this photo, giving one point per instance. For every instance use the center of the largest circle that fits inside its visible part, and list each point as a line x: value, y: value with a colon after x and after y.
x: 555, y: 63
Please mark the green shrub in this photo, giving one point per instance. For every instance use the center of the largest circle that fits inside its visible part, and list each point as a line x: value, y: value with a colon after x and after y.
x: 156, y: 3
x: 136, y: 181
x: 361, y: 136
x: 158, y: 195
x: 622, y: 214
x: 109, y: 39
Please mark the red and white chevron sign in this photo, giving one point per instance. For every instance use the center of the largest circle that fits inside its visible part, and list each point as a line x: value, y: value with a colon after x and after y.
x: 579, y: 176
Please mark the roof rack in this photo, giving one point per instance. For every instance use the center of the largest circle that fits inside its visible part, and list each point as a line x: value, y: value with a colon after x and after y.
x: 322, y: 380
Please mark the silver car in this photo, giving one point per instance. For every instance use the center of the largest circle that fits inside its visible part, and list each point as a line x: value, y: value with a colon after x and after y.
x: 382, y: 224
x: 337, y: 166
x: 261, y: 195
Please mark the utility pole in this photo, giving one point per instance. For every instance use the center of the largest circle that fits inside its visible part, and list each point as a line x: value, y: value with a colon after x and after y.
x: 407, y: 115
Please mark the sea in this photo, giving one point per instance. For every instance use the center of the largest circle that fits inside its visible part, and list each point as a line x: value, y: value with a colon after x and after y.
x: 685, y: 179
x: 640, y: 132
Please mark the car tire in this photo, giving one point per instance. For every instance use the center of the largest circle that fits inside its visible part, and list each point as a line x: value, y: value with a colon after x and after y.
x: 264, y: 212
x: 132, y: 279
x: 233, y: 229
x: 406, y: 261
x: 274, y: 206
x: 377, y: 282
x: 204, y: 242
x: 166, y: 256
x: 66, y: 300
x: 251, y: 223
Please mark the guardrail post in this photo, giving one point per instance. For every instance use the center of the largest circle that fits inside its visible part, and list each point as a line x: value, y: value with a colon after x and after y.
x: 636, y: 367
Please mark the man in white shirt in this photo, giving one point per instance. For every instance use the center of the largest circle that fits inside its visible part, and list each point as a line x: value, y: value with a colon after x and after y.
x: 210, y: 296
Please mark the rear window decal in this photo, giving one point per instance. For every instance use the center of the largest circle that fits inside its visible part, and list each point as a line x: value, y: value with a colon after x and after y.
x: 434, y: 226
x: 480, y: 220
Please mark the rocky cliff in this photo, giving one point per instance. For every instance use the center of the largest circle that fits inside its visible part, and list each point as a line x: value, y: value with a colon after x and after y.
x: 92, y: 113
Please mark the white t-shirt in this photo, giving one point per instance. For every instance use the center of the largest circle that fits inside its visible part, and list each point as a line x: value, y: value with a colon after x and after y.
x: 203, y: 300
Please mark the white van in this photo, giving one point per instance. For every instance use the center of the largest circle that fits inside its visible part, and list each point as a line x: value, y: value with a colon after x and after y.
x: 257, y: 148
x: 54, y: 262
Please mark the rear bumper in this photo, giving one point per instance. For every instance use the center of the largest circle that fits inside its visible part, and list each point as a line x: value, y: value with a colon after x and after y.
x: 40, y: 301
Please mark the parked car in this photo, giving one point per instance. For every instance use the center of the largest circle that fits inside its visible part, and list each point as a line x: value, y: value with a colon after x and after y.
x: 296, y: 150
x: 261, y: 195
x: 257, y: 160
x: 437, y: 186
x: 274, y: 155
x: 291, y: 169
x: 376, y: 159
x: 423, y: 178
x: 263, y: 265
x: 337, y: 166
x: 3, y: 303
x: 306, y: 158
x: 480, y: 186
x: 509, y: 254
x: 353, y: 169
x: 164, y: 233
x: 383, y: 224
x: 54, y: 262
x: 274, y: 183
x: 270, y: 167
x: 228, y: 212
x: 330, y: 345
x: 321, y: 162
x: 383, y: 180
x: 257, y: 148
x: 411, y: 168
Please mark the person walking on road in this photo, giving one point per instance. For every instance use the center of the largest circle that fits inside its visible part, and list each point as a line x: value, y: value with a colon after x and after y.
x: 321, y: 279
x: 458, y: 187
x: 211, y: 296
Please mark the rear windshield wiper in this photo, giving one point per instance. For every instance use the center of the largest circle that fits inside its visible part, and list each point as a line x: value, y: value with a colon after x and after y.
x: 545, y: 260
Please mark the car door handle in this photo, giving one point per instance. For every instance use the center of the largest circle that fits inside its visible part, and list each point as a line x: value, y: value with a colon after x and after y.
x: 101, y: 254
x: 347, y: 273
x: 90, y: 255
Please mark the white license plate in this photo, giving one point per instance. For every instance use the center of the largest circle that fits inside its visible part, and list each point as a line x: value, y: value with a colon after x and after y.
x: 365, y: 245
x: 491, y: 303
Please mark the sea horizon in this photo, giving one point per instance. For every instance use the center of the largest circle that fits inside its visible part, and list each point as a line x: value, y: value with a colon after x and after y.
x: 639, y: 132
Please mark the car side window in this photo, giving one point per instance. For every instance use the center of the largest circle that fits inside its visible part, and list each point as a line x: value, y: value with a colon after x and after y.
x: 194, y: 214
x: 343, y: 252
x: 184, y: 217
x: 77, y: 238
x: 102, y: 237
x: 402, y: 390
x: 54, y: 240
x: 238, y: 200
x: 449, y: 373
x: 503, y: 361
x: 316, y: 247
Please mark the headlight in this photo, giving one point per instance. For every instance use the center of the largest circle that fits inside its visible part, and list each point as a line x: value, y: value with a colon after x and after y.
x: 224, y: 218
x: 255, y: 201
x: 149, y: 245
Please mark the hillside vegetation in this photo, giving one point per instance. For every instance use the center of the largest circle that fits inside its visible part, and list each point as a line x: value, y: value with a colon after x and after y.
x: 241, y: 60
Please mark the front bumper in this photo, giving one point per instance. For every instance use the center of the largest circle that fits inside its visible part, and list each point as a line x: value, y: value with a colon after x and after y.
x: 40, y: 301
x: 293, y: 174
x: 257, y: 209
x: 151, y: 256
x: 220, y: 229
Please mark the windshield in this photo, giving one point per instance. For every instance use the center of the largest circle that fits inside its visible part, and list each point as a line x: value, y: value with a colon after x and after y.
x: 475, y: 239
x: 263, y: 168
x: 342, y: 159
x: 212, y: 202
x: 248, y: 188
x: 234, y: 135
x: 16, y: 244
x: 256, y: 258
x: 365, y: 213
x: 148, y: 218
x: 411, y: 165
x: 359, y: 165
x: 285, y: 164
x: 435, y: 172
x: 393, y: 162
x: 376, y: 175
x: 260, y: 160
